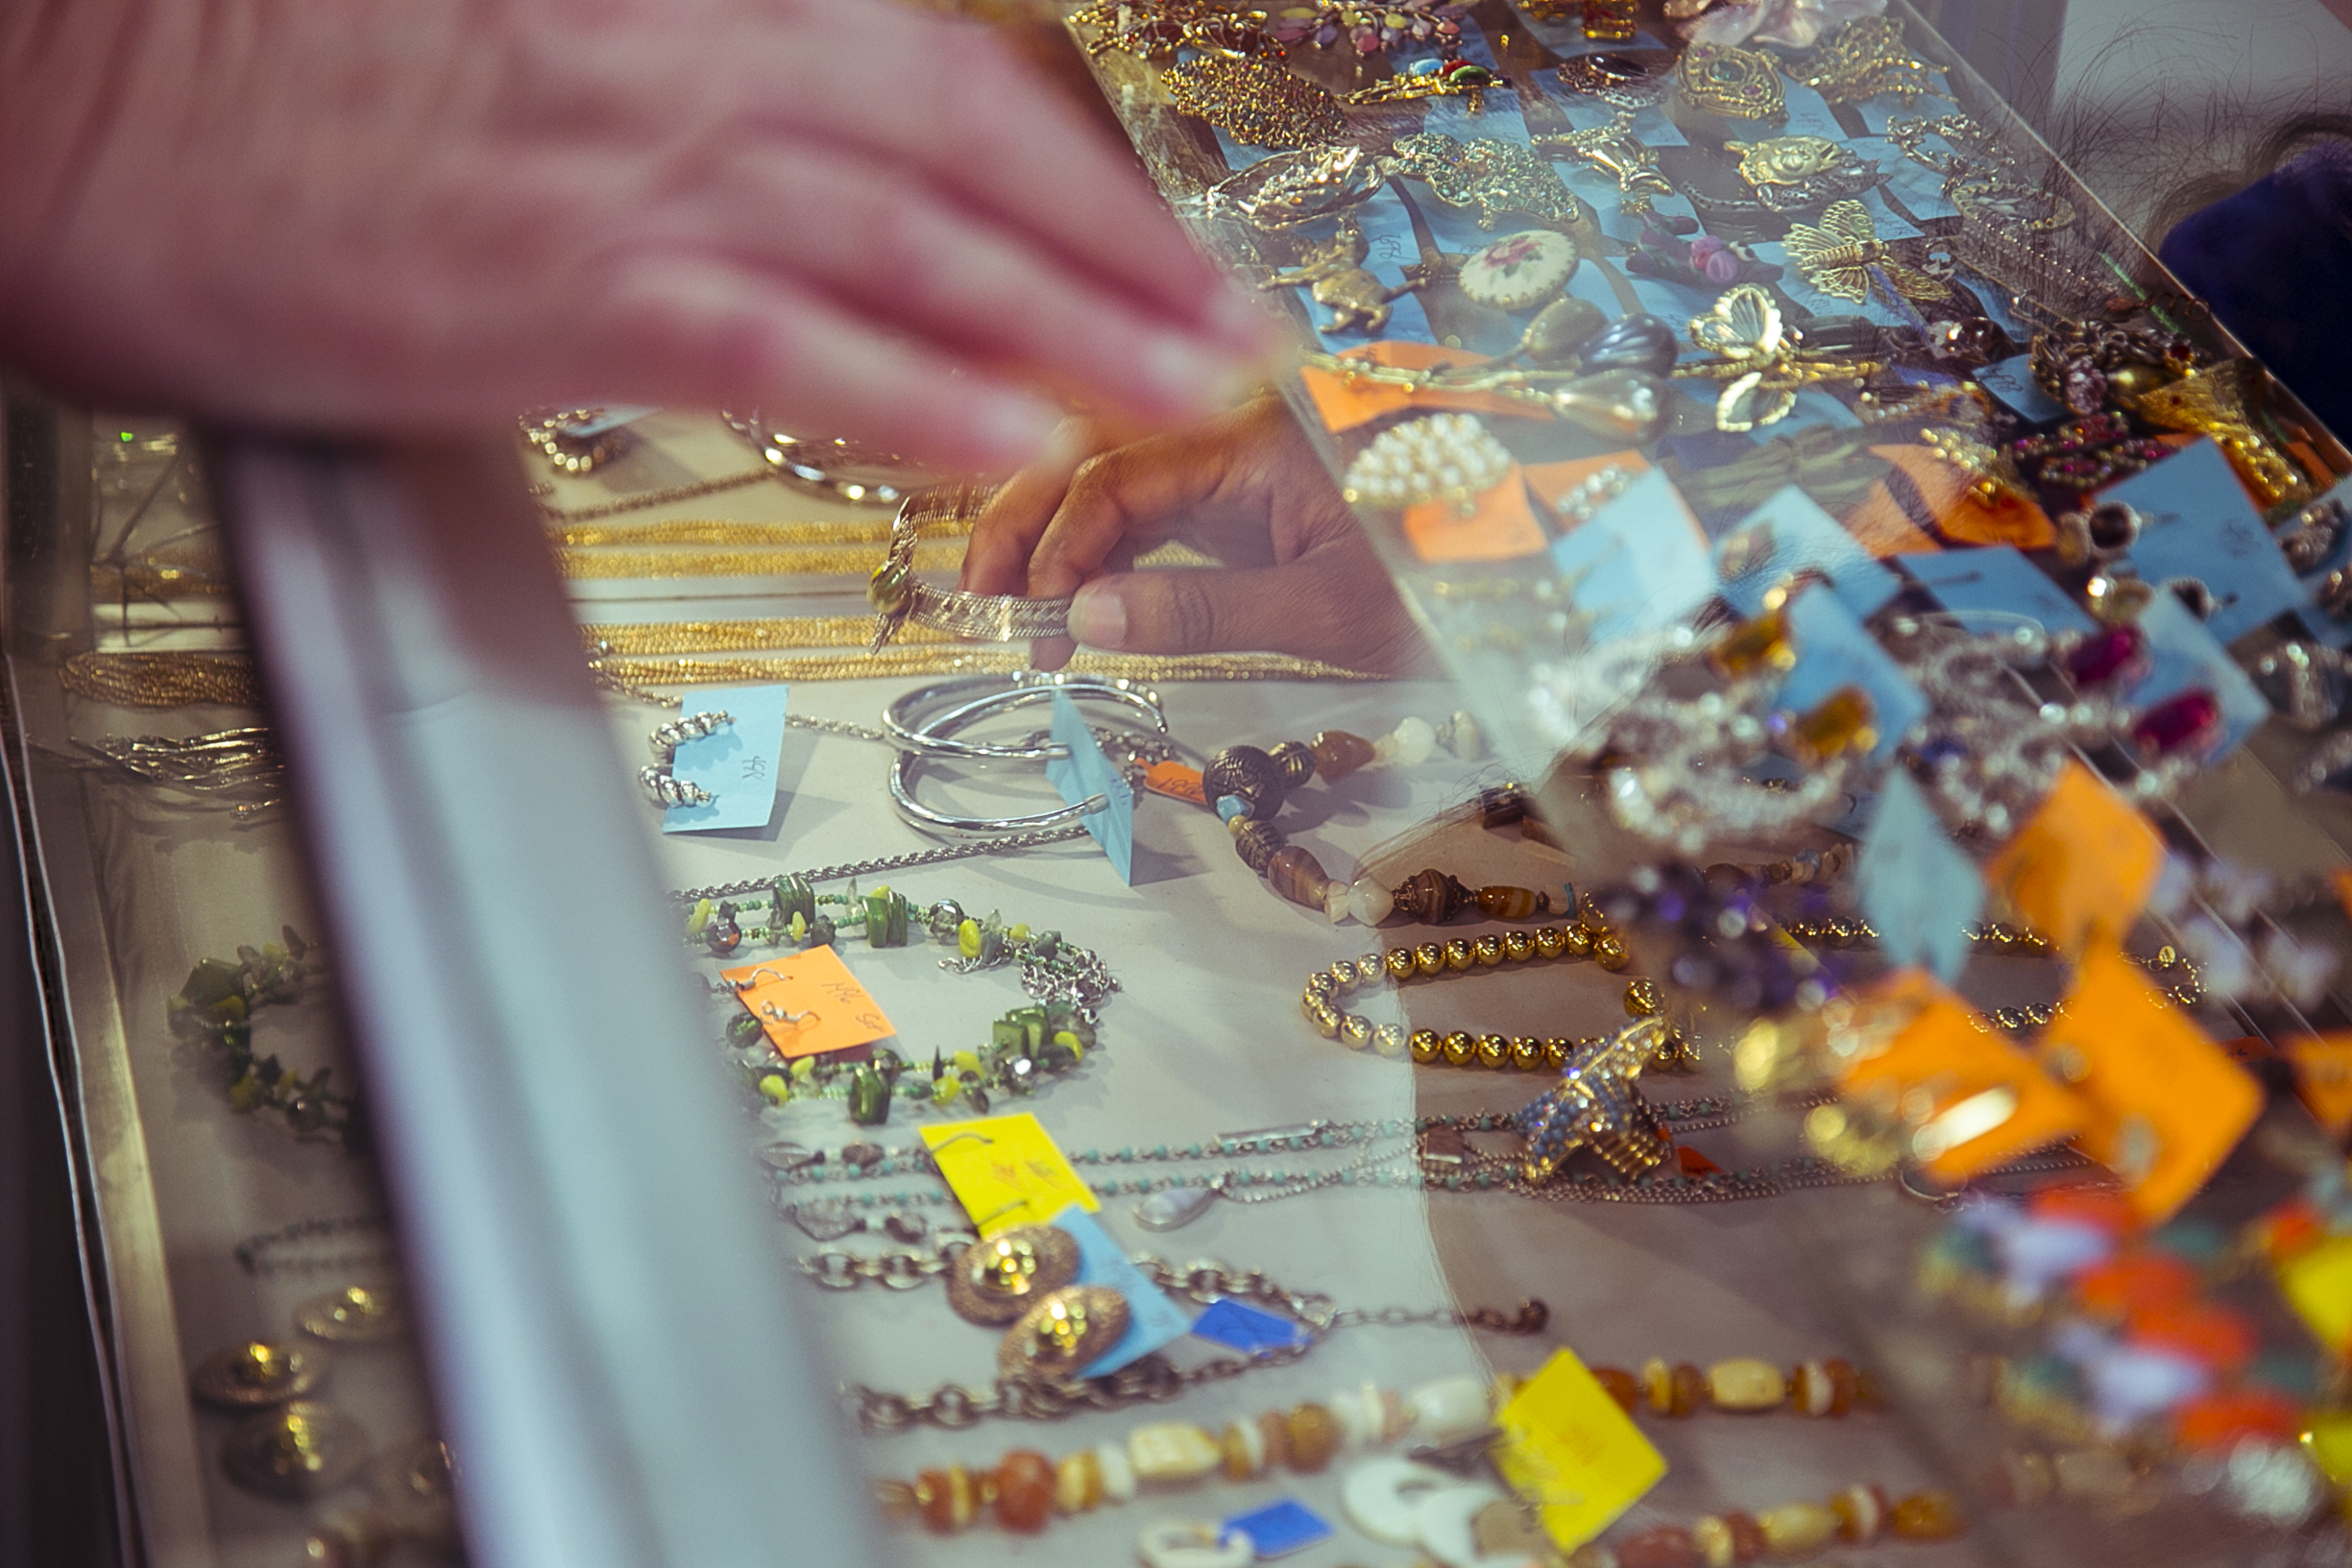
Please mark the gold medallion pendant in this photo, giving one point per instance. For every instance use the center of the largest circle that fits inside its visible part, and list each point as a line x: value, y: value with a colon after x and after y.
x: 997, y: 1280
x: 1065, y: 1333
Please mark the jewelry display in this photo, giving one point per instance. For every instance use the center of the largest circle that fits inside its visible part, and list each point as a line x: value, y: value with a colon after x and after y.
x: 163, y: 680
x: 1333, y: 272
x: 1255, y: 100
x: 1762, y: 367
x: 1292, y: 190
x: 1519, y: 271
x: 1427, y: 79
x: 258, y: 1255
x: 1438, y: 457
x: 1157, y: 30
x: 1375, y: 28
x: 1738, y: 84
x: 215, y: 1010
x: 1802, y: 174
x: 1600, y: 378
x: 899, y: 597
x: 256, y: 1373
x: 1743, y: 1385
x: 296, y: 1452
x: 577, y: 441
x: 1982, y: 180
x: 1868, y: 58
x: 239, y: 762
x: 1791, y: 1531
x: 1844, y: 258
x: 838, y: 470
x: 1613, y: 150
x: 1327, y: 988
x: 1493, y: 178
x: 1619, y: 81
x: 1245, y: 787
x: 646, y: 500
x: 665, y: 740
x: 2219, y: 401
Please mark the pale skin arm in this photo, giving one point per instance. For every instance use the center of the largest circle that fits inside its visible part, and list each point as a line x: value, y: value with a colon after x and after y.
x: 1298, y: 575
x: 427, y: 215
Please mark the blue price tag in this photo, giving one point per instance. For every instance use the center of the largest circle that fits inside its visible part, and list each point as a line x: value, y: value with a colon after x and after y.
x: 735, y: 763
x: 2012, y: 383
x: 1917, y: 887
x: 1086, y: 773
x: 1153, y: 1320
x: 1245, y: 1329
x: 1792, y: 534
x: 1639, y: 564
x: 1835, y: 650
x: 2201, y: 525
x: 1280, y: 1529
x: 1999, y: 582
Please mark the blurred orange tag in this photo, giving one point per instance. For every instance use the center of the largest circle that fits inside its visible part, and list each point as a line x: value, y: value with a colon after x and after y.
x: 810, y: 1004
x: 1570, y: 1449
x: 1502, y: 527
x: 1953, y: 509
x: 1991, y: 1101
x: 2167, y: 1104
x: 2083, y: 866
x: 2324, y: 1078
x: 1175, y: 781
x: 1005, y: 1170
x: 1346, y: 401
x: 1550, y: 482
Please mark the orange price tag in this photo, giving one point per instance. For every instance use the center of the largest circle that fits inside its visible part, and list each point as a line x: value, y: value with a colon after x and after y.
x: 1346, y: 401
x: 2324, y: 1078
x: 2083, y: 867
x: 1988, y: 1100
x: 1175, y: 781
x: 1501, y: 528
x: 1956, y: 513
x: 809, y: 1004
x: 2167, y: 1104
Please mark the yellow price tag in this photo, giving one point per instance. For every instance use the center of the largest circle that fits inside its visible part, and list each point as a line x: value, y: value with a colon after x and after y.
x: 1571, y: 1451
x: 2317, y: 1285
x: 1005, y: 1170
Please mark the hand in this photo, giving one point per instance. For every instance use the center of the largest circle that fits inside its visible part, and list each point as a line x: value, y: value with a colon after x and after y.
x: 432, y: 214
x: 1299, y: 576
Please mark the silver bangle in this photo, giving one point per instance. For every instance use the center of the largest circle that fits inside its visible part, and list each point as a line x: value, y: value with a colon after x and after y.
x: 932, y: 735
x: 905, y: 766
x: 898, y: 596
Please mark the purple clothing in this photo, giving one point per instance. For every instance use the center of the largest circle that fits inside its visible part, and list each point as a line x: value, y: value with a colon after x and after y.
x: 2276, y: 263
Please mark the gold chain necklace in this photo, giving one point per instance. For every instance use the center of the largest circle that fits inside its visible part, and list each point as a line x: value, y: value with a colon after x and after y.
x: 658, y: 637
x: 814, y: 561
x: 718, y: 531
x: 163, y: 680
x: 657, y: 497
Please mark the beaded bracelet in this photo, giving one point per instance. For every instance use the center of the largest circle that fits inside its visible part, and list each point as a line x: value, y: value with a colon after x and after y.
x: 1066, y: 985
x: 1858, y: 1515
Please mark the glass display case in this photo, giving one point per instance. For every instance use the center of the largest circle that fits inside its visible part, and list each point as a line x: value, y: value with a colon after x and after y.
x: 849, y: 1100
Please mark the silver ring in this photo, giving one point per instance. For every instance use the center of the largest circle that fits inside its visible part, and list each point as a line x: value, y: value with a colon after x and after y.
x: 932, y: 735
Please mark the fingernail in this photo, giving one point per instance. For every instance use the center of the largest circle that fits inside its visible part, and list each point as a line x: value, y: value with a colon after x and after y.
x: 1190, y: 378
x: 1098, y: 618
x: 1011, y: 431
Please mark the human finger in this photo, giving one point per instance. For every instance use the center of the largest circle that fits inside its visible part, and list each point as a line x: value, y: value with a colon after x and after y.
x: 980, y: 123
x: 1134, y: 493
x: 692, y: 330
x: 1009, y: 527
x: 1334, y: 607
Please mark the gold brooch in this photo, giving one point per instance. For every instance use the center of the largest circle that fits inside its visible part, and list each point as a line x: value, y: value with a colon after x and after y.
x: 1598, y: 1108
x: 1839, y: 256
x: 1614, y: 151
x: 1063, y: 1333
x: 997, y: 1280
x: 1738, y: 84
x: 1864, y: 58
x: 1801, y: 174
x: 1496, y: 177
x: 1255, y: 102
x: 1453, y: 79
x: 1157, y: 29
x: 1332, y: 273
x: 1763, y: 368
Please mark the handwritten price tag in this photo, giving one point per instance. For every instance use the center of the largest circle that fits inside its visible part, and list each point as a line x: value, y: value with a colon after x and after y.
x: 809, y: 1004
x: 1569, y: 1449
x: 1005, y: 1170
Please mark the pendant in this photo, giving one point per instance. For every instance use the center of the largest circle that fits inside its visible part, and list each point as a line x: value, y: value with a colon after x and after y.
x: 1064, y: 1334
x: 1174, y: 1208
x: 995, y: 1281
x: 823, y: 1221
